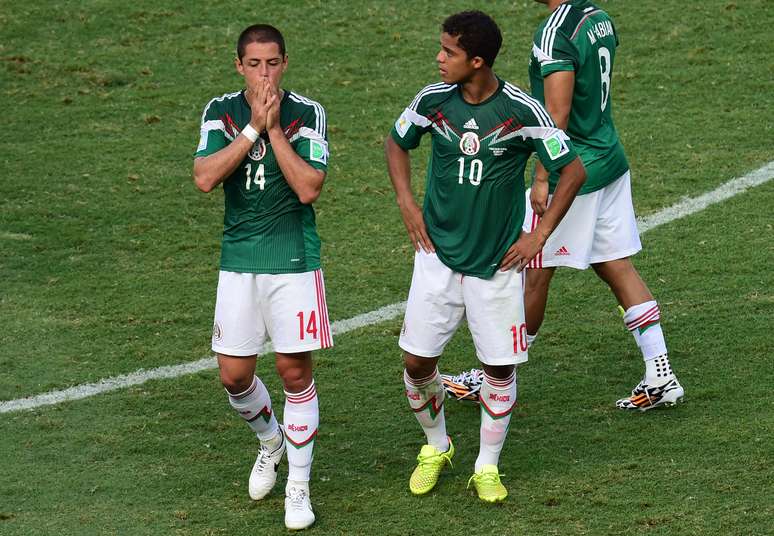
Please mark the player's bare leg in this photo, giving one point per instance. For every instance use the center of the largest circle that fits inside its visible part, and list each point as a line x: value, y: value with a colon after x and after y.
x: 535, y: 298
x: 624, y: 280
x: 642, y: 317
x: 249, y: 397
x: 301, y: 419
x: 425, y: 394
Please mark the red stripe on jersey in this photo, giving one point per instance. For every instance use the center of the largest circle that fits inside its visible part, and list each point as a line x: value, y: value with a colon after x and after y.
x: 578, y: 27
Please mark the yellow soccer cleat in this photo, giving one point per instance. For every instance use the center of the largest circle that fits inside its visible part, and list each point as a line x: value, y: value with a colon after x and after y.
x: 487, y: 483
x: 429, y: 464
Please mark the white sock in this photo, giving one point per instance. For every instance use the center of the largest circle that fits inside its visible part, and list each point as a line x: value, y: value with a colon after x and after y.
x: 302, y: 417
x: 497, y: 398
x: 658, y: 369
x: 531, y: 340
x: 643, y: 322
x: 425, y: 396
x: 299, y: 484
x: 254, y: 406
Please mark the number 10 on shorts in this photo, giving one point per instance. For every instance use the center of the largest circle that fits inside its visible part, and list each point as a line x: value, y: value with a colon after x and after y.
x: 310, y: 326
x: 519, y: 338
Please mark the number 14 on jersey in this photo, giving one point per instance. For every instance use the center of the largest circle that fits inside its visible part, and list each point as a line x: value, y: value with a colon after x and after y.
x: 259, y: 179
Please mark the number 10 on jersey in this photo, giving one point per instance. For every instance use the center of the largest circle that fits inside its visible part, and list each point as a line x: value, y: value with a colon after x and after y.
x: 474, y: 173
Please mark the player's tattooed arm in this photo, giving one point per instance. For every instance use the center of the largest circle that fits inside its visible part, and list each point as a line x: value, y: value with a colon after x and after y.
x: 399, y: 168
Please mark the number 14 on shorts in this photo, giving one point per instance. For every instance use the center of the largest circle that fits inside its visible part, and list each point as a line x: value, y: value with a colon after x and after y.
x: 307, y: 324
x: 519, y: 337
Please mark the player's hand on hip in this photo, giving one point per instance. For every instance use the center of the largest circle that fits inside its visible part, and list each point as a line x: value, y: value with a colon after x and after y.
x: 415, y: 226
x: 521, y: 252
x: 538, y: 196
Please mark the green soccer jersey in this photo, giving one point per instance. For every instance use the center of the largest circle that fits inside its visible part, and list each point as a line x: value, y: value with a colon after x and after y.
x: 474, y: 200
x: 266, y: 229
x: 580, y: 37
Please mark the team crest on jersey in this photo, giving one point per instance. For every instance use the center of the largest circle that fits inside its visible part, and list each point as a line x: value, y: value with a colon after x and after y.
x: 217, y: 332
x: 469, y: 143
x: 259, y: 149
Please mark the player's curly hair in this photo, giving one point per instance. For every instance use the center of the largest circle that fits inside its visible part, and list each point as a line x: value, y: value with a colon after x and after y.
x: 259, y: 33
x: 478, y: 34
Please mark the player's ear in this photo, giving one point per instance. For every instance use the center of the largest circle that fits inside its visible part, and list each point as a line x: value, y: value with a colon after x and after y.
x: 285, y: 63
x: 477, y: 62
x: 239, y: 67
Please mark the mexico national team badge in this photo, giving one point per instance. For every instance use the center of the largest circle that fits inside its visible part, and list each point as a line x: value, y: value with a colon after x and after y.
x: 259, y: 149
x: 469, y: 143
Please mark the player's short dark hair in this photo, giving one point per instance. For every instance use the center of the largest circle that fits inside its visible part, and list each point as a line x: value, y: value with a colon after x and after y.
x: 478, y: 34
x: 259, y: 33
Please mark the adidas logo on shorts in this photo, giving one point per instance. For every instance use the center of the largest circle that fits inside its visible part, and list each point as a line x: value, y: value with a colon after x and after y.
x: 562, y: 251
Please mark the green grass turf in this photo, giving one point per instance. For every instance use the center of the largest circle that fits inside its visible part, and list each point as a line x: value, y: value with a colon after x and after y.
x: 170, y: 457
x: 108, y: 262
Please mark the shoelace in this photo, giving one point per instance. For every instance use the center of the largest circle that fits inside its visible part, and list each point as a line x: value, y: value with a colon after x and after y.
x: 430, y: 460
x: 297, y: 497
x: 470, y: 378
x: 263, y: 458
x: 487, y: 479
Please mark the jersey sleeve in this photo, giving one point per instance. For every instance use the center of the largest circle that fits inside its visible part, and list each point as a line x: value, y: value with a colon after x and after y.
x: 212, y: 133
x: 555, y: 52
x: 311, y: 141
x: 412, y: 123
x: 552, y: 144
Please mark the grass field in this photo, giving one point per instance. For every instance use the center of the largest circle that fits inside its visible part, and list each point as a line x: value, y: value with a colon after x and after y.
x: 108, y: 263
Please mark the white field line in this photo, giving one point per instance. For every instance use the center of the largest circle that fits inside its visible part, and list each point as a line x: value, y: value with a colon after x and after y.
x: 679, y: 210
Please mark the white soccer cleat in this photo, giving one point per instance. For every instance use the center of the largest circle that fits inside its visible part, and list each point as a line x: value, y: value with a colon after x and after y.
x: 264, y: 473
x: 298, y: 508
x: 648, y: 396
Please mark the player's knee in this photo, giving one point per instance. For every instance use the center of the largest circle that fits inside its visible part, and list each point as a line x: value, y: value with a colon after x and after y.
x: 418, y: 367
x: 235, y: 383
x: 500, y: 372
x: 295, y: 379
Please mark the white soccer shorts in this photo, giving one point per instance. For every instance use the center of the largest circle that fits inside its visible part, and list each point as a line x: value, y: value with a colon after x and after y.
x: 439, y: 298
x: 288, y: 308
x: 599, y: 226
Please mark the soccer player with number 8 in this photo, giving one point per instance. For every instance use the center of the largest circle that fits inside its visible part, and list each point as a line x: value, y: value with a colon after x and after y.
x: 570, y: 72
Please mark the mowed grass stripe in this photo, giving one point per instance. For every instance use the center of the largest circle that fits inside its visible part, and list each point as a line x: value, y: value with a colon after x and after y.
x: 679, y: 210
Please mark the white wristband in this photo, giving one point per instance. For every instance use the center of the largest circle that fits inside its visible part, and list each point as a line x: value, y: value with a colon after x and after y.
x: 250, y: 133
